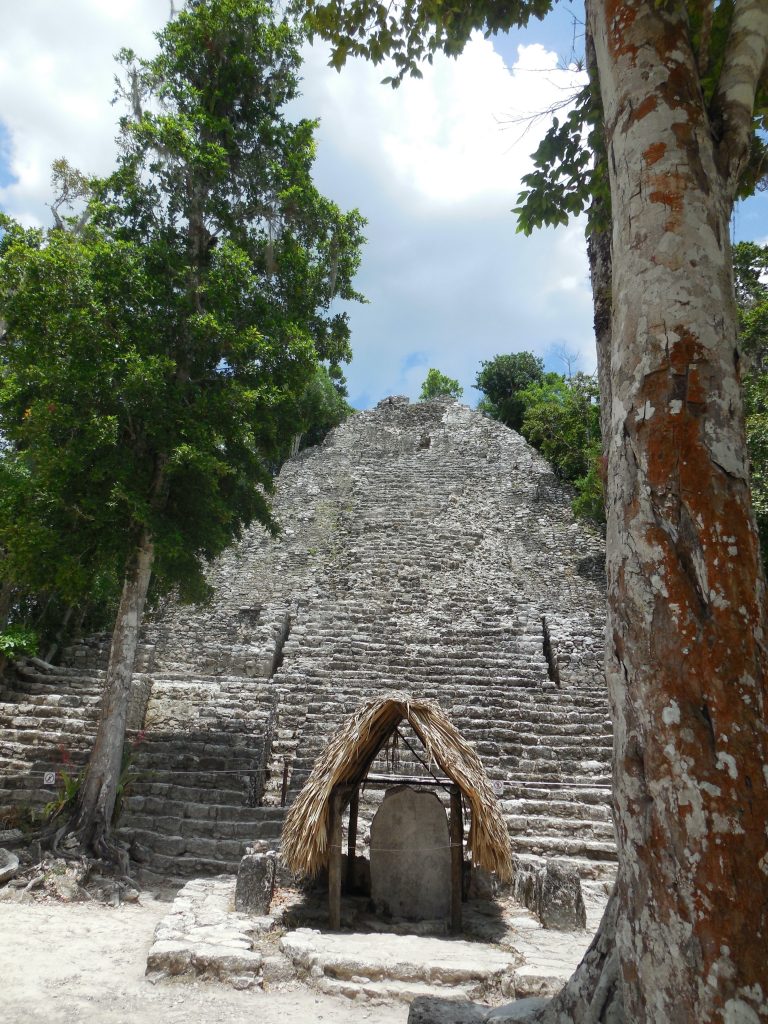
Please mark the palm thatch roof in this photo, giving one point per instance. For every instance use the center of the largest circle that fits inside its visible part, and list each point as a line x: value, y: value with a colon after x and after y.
x: 347, y: 758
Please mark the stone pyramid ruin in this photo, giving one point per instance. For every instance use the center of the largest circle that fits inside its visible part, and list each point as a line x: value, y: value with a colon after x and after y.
x: 424, y: 548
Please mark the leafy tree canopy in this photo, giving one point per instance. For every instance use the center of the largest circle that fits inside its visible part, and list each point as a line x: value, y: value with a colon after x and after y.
x: 562, y: 420
x: 152, y: 344
x: 502, y: 379
x: 566, y: 178
x: 321, y: 406
x: 437, y: 384
x: 750, y: 266
x: 750, y: 271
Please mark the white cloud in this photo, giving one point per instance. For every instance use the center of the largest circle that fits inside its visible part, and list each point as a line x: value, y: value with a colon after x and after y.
x: 56, y: 83
x: 434, y: 165
x: 446, y: 138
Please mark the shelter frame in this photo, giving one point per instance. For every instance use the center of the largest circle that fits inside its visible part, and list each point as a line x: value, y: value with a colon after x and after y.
x: 343, y: 795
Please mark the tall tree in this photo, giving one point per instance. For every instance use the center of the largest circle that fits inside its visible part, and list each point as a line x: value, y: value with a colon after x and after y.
x: 682, y: 91
x: 437, y: 384
x: 158, y: 344
x: 561, y: 418
x: 750, y: 271
x: 502, y: 379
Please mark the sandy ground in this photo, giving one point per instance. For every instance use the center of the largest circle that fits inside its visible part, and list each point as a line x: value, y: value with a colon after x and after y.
x: 73, y: 963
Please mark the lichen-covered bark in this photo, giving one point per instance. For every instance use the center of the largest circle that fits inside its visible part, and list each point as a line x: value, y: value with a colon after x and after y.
x: 599, y: 254
x: 685, y: 659
x: 96, y: 799
x: 743, y: 66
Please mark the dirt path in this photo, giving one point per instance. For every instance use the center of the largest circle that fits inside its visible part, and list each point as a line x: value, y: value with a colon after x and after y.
x: 84, y: 964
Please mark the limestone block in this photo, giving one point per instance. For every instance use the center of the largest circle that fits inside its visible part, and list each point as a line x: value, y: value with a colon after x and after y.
x: 561, y: 901
x: 169, y: 957
x: 428, y: 1010
x: 552, y: 892
x: 519, y: 1012
x: 255, y: 883
x: 277, y: 970
x: 9, y: 865
x: 410, y: 856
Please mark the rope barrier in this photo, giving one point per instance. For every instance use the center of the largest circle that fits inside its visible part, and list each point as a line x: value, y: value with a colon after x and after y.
x: 148, y: 773
x: 402, y: 849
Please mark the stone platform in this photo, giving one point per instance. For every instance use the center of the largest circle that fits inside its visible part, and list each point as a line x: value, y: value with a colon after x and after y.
x: 503, y: 954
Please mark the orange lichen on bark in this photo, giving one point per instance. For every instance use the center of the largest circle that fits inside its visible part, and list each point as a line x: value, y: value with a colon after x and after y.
x: 654, y: 153
x: 619, y: 16
x: 670, y: 195
x: 643, y: 109
x: 713, y: 590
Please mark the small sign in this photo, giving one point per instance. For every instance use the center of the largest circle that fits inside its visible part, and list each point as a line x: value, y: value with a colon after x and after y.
x: 498, y: 787
x: 49, y: 778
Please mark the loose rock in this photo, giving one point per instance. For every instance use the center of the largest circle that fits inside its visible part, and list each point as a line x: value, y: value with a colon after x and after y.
x: 9, y: 866
x: 426, y: 1010
x: 255, y: 883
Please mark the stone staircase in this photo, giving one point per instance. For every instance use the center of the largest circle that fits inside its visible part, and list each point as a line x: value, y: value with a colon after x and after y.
x: 194, y: 805
x: 191, y: 802
x: 424, y: 549
x: 47, y: 724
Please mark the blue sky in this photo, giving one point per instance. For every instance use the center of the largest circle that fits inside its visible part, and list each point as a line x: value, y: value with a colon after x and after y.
x: 435, y: 167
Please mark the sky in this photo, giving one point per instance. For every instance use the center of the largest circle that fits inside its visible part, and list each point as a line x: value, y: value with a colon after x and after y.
x: 435, y: 166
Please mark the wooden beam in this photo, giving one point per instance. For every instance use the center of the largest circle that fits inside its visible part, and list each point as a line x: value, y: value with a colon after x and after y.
x: 334, y: 860
x: 354, y: 805
x: 405, y: 780
x: 456, y: 829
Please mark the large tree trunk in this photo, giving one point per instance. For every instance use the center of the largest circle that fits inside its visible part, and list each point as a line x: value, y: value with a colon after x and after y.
x: 96, y: 799
x: 6, y: 595
x: 685, y: 657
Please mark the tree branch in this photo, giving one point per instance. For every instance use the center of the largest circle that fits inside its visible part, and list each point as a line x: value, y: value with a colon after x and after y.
x: 745, y: 61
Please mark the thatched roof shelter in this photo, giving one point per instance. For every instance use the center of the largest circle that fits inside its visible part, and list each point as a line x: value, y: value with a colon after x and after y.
x: 347, y: 759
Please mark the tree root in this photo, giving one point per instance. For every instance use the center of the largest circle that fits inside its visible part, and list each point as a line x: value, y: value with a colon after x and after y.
x: 593, y: 994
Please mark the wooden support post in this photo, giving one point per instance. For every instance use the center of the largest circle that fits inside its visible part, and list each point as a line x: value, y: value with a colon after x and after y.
x: 354, y: 804
x: 334, y: 860
x: 284, y: 790
x: 456, y: 829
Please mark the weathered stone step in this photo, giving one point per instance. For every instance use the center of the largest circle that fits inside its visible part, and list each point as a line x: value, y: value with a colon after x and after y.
x: 392, y: 991
x: 203, y: 828
x: 178, y: 846
x: 444, y: 963
x: 158, y: 806
x: 224, y: 792
x: 540, y: 825
x: 569, y: 809
x: 209, y: 757
x: 189, y: 866
x: 577, y: 790
x: 560, y: 846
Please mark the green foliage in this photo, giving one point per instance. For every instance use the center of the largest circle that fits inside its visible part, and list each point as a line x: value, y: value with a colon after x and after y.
x: 567, y: 178
x: 589, y: 502
x: 437, y: 384
x: 413, y: 31
x: 756, y: 409
x: 559, y: 416
x: 18, y: 642
x: 502, y: 379
x: 562, y: 420
x: 323, y: 406
x: 155, y: 351
x: 570, y: 172
x: 66, y: 796
x: 128, y: 775
x: 750, y: 271
x: 750, y: 268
